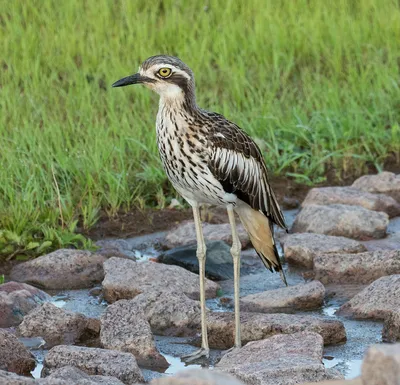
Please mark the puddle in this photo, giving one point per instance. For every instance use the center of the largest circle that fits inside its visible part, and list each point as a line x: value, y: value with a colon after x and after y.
x: 80, y: 301
x: 351, y: 369
x: 354, y: 369
x: 176, y: 365
x: 330, y: 310
x: 37, y: 371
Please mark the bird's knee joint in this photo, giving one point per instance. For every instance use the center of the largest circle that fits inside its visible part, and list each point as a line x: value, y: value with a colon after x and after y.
x: 236, y: 248
x: 201, y: 252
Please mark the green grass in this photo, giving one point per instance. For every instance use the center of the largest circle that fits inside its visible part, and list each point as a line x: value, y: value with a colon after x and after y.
x: 316, y: 82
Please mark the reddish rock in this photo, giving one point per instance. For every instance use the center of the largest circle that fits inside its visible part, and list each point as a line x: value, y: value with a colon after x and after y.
x: 341, y: 220
x: 258, y: 326
x: 94, y: 361
x: 62, y: 269
x: 292, y: 359
x: 381, y: 365
x: 352, y: 196
x: 304, y: 296
x: 376, y: 301
x: 302, y: 248
x: 356, y: 268
x: 125, y: 279
x: 14, y: 357
x: 17, y: 300
x: 384, y: 182
x: 126, y: 329
x: 391, y: 327
x: 56, y: 326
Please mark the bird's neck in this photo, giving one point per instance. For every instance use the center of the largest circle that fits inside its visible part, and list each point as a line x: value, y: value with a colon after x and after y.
x: 178, y: 101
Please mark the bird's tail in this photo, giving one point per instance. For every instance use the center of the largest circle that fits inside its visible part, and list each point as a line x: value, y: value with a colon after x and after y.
x: 260, y: 232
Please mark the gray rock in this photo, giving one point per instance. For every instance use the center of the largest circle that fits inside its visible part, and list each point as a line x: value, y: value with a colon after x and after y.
x: 64, y: 376
x: 17, y: 300
x: 341, y: 220
x: 125, y: 279
x: 381, y: 365
x: 352, y: 196
x: 198, y: 377
x: 292, y: 359
x: 170, y: 314
x: 304, y: 296
x: 301, y: 249
x: 10, y: 378
x: 14, y: 357
x: 185, y: 234
x: 376, y: 301
x: 62, y: 269
x: 384, y: 182
x: 73, y: 375
x: 119, y: 248
x: 94, y: 361
x: 391, y: 327
x: 218, y: 262
x: 356, y: 381
x: 56, y: 326
x: 125, y: 328
x: 356, y: 268
x: 258, y: 326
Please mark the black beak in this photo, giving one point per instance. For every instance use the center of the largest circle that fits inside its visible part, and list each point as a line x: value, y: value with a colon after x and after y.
x: 133, y: 79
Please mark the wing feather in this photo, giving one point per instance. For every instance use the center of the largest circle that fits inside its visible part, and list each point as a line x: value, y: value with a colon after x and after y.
x: 237, y: 162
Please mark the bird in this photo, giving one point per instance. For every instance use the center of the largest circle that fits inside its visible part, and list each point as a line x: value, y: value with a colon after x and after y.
x: 210, y: 160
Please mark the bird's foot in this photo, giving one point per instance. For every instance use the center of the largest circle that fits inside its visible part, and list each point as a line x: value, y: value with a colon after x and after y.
x: 202, y: 352
x: 233, y: 348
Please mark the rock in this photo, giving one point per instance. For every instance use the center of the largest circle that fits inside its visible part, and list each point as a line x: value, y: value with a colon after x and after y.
x: 185, y: 234
x: 391, y: 327
x: 14, y: 357
x: 62, y: 269
x: 384, y: 182
x: 71, y: 374
x: 170, y: 314
x: 56, y: 326
x: 125, y: 328
x: 119, y: 248
x: 218, y: 262
x: 301, y: 249
x: 198, y: 377
x: 376, y: 301
x: 9, y: 378
x: 381, y: 365
x: 356, y: 268
x: 299, y: 297
x: 356, y: 381
x: 16, y: 300
x: 94, y: 361
x: 292, y: 359
x: 352, y: 196
x: 258, y: 326
x: 341, y: 220
x: 125, y: 279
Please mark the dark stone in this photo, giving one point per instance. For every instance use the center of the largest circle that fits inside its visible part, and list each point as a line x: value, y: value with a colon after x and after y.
x: 218, y: 261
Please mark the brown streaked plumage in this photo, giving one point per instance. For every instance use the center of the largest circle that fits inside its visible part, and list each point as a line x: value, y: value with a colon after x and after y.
x: 209, y: 159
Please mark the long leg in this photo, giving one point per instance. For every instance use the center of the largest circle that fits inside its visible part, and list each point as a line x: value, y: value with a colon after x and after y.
x: 235, y: 251
x: 201, y: 256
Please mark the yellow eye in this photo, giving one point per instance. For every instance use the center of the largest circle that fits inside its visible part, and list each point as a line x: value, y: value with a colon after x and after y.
x: 164, y: 72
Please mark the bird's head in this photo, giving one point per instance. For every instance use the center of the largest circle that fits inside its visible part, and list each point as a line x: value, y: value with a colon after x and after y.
x: 166, y: 75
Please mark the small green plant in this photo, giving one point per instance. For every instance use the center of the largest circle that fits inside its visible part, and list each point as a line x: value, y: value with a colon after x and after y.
x: 37, y: 241
x: 2, y: 279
